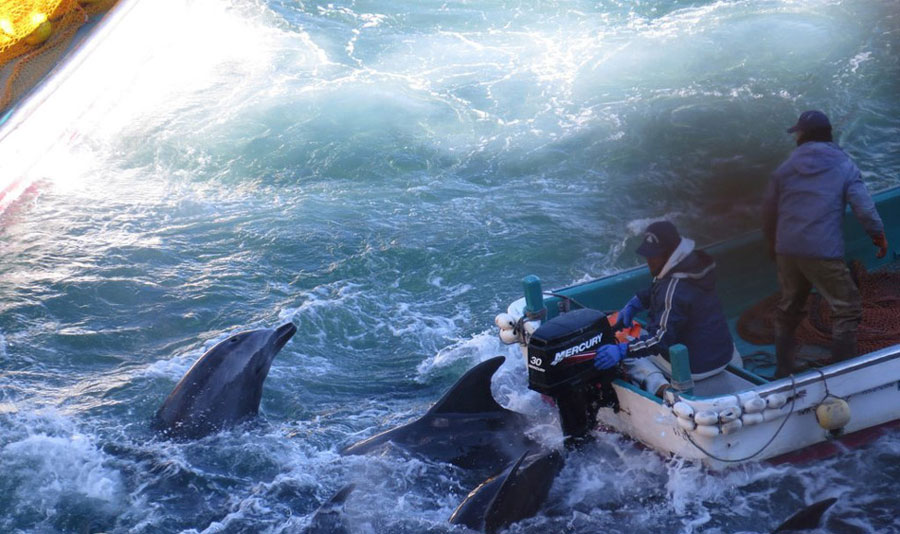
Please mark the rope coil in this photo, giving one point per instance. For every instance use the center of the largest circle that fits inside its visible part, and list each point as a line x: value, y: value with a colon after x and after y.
x: 879, y: 328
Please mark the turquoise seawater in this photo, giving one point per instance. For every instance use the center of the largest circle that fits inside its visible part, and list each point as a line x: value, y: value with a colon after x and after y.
x: 383, y: 174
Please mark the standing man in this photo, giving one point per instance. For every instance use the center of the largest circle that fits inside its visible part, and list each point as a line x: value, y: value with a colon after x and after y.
x: 803, y: 211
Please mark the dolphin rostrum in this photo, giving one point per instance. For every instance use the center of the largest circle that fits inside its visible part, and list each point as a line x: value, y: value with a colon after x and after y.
x: 512, y: 495
x: 329, y: 518
x: 224, y: 386
x: 466, y: 427
x: 807, y: 518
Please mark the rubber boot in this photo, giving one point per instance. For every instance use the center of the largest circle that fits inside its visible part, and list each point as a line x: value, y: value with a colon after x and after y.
x: 785, y: 356
x: 843, y: 347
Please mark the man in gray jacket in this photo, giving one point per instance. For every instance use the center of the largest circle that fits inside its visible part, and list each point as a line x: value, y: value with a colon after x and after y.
x: 803, y: 211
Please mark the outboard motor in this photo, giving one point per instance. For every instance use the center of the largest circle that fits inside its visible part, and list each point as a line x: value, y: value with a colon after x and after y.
x: 560, y: 365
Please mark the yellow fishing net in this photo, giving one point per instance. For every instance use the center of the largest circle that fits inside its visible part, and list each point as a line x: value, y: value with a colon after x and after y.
x: 34, y: 34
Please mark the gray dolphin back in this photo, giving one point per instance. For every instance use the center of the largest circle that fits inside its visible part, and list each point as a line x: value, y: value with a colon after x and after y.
x: 329, y: 518
x: 472, y: 392
x: 516, y: 493
x: 224, y: 386
x: 466, y: 427
x: 808, y: 518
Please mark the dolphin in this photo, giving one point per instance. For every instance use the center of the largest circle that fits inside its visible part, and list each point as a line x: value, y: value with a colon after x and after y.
x: 224, y: 386
x: 329, y: 518
x: 518, y: 492
x: 807, y: 518
x: 466, y: 427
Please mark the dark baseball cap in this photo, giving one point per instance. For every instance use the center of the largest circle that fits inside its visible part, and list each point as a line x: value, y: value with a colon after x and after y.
x: 660, y: 239
x: 810, y: 120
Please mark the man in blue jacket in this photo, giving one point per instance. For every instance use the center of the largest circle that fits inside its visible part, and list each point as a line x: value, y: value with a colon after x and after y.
x: 803, y: 211
x: 683, y: 309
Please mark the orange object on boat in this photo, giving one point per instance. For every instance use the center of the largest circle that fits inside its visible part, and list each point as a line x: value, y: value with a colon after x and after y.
x: 626, y: 334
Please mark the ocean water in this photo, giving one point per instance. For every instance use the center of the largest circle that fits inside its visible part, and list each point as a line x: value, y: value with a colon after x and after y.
x: 383, y: 174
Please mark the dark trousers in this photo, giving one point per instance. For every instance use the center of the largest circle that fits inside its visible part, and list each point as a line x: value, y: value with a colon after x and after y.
x: 831, y: 278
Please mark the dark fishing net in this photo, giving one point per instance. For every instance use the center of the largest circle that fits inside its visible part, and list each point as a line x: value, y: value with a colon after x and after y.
x: 880, y: 326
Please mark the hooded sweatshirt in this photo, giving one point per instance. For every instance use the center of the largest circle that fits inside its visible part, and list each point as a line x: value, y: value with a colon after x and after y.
x: 803, y: 208
x: 684, y: 308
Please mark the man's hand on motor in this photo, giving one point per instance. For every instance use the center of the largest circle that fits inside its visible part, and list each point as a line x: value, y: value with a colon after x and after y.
x: 609, y: 355
x: 626, y: 314
x: 880, y: 241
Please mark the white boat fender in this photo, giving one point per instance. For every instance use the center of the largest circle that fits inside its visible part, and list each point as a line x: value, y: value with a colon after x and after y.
x: 687, y: 424
x: 752, y: 418
x: 706, y: 418
x: 729, y: 414
x: 530, y: 327
x: 709, y: 431
x: 754, y: 405
x: 683, y: 410
x: 776, y: 400
x: 771, y: 415
x: 509, y: 336
x: 732, y: 426
x: 833, y: 413
x: 505, y: 321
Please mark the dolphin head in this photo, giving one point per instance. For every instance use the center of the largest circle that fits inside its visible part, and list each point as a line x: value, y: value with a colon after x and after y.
x: 225, y: 385
x: 250, y: 354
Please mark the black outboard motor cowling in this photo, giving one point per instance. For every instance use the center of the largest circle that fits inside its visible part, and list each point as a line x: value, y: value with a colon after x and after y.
x: 561, y: 365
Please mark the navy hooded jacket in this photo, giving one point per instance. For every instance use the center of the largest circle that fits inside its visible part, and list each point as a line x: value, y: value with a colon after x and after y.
x: 684, y: 308
x: 803, y: 208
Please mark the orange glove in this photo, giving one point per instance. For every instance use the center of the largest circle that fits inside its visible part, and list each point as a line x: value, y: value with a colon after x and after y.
x: 880, y: 241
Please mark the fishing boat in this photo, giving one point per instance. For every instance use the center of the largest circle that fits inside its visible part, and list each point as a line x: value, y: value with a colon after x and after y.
x: 739, y: 415
x: 42, y: 44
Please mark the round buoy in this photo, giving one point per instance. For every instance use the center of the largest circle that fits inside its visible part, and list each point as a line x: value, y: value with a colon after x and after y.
x: 754, y: 405
x: 710, y: 431
x: 505, y: 321
x: 509, y: 336
x: 833, y: 413
x: 729, y: 414
x: 706, y: 417
x: 6, y: 28
x: 683, y: 410
x: 752, y: 418
x: 776, y: 400
x: 686, y: 424
x: 39, y: 34
x: 732, y: 426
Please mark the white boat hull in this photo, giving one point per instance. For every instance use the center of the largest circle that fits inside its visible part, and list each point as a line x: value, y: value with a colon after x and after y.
x: 868, y: 383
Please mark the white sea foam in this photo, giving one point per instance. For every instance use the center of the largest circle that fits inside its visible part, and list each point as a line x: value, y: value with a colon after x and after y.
x: 52, y: 461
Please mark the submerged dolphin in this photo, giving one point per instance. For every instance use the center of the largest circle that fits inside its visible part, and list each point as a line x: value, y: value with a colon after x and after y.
x: 466, y: 427
x: 329, y: 518
x: 224, y: 386
x: 515, y: 494
x: 807, y: 518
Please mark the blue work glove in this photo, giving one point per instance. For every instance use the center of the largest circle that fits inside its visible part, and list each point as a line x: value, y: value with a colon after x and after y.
x: 626, y: 314
x: 609, y: 355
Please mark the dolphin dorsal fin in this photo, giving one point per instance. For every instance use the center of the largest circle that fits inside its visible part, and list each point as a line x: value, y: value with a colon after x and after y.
x: 808, y: 518
x: 472, y: 392
x: 494, y: 514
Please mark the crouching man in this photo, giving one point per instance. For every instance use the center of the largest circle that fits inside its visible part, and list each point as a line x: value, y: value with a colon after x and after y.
x: 683, y: 308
